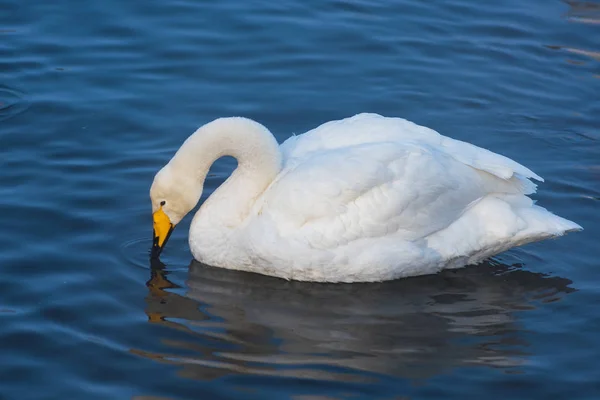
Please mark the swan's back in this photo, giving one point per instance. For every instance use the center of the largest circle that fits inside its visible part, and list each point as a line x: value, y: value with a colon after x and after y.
x: 373, y: 128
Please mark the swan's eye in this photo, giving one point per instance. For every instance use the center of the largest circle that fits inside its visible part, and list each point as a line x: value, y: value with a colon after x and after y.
x: 162, y: 203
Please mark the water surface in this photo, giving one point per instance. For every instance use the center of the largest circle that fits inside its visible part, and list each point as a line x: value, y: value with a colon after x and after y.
x: 95, y: 97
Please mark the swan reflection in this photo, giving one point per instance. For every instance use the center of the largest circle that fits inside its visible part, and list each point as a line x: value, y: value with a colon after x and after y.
x: 236, y: 322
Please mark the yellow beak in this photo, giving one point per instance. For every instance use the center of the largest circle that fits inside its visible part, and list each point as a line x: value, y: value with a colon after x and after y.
x: 162, y: 230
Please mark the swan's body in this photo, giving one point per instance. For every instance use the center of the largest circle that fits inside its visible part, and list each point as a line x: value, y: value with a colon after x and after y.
x: 366, y: 198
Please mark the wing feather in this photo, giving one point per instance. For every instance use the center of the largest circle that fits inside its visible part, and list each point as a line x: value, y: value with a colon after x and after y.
x: 370, y: 176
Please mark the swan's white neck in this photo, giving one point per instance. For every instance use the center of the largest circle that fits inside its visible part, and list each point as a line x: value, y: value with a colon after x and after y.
x: 259, y: 161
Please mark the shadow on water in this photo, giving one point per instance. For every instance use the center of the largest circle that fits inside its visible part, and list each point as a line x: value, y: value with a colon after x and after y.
x: 241, y: 323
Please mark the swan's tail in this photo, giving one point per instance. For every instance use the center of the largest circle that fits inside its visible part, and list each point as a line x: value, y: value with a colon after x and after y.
x: 495, y: 224
x: 537, y: 220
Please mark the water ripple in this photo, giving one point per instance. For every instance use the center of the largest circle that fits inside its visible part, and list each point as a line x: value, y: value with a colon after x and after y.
x: 136, y: 252
x: 12, y: 102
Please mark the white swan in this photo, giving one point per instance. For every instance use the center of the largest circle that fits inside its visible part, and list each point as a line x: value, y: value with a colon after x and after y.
x: 367, y: 198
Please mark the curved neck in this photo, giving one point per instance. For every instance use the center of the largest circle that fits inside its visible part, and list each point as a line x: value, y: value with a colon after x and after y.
x: 259, y: 161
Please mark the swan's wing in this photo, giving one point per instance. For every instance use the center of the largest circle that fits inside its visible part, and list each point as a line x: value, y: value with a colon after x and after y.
x: 374, y: 128
x: 331, y: 197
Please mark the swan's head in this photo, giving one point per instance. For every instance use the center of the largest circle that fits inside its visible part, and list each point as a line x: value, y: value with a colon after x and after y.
x: 172, y: 196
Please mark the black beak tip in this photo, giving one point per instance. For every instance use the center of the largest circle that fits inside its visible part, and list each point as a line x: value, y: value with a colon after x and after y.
x: 155, y: 250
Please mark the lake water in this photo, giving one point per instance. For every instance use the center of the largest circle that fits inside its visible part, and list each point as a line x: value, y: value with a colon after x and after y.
x: 96, y: 96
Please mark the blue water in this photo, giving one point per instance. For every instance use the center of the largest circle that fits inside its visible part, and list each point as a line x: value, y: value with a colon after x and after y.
x: 96, y: 96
